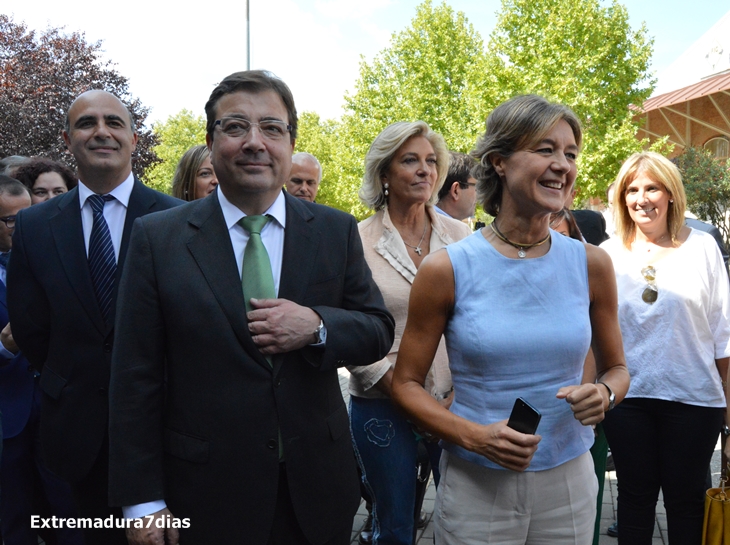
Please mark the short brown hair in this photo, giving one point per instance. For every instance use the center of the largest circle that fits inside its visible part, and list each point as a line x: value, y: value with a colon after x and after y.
x: 513, y: 126
x: 251, y: 81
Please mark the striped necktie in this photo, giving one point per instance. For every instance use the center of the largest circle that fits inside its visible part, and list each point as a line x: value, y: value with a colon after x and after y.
x: 102, y: 260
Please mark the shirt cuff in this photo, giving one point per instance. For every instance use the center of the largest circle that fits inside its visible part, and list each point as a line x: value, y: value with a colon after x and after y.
x: 5, y: 353
x: 143, y: 509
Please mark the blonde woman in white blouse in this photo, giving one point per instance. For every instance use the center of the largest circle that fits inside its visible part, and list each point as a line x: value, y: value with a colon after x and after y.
x: 673, y: 312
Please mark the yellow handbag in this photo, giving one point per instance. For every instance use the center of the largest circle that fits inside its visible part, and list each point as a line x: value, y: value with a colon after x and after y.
x: 716, y: 528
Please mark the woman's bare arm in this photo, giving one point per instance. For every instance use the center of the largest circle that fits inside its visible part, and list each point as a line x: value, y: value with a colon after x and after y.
x: 430, y: 305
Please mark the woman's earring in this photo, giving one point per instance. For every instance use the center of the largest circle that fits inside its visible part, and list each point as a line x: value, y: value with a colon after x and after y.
x: 671, y: 201
x: 386, y: 188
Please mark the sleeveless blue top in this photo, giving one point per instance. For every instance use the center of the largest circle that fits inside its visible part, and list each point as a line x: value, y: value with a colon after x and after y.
x: 520, y: 328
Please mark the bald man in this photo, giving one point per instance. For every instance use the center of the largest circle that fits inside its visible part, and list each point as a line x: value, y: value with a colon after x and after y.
x: 306, y: 173
x: 67, y: 256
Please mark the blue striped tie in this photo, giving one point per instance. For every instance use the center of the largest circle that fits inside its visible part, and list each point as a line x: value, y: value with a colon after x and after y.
x: 102, y: 261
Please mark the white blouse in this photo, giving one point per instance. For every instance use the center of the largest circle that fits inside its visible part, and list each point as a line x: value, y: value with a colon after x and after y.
x: 671, y: 345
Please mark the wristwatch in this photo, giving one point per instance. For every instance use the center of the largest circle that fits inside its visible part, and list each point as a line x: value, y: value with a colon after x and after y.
x: 320, y: 333
x: 611, y: 397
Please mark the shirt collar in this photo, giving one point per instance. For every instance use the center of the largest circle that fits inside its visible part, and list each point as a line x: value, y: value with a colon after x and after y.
x: 120, y: 193
x: 233, y: 214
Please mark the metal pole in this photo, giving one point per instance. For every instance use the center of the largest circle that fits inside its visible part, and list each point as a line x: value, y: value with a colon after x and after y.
x: 248, y: 38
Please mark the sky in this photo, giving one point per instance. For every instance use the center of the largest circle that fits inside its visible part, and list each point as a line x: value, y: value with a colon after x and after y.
x: 174, y: 54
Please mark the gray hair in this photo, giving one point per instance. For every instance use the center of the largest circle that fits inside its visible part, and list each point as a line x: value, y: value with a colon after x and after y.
x: 304, y: 156
x: 384, y: 148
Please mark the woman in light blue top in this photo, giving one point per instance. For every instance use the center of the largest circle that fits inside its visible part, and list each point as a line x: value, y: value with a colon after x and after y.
x: 519, y: 308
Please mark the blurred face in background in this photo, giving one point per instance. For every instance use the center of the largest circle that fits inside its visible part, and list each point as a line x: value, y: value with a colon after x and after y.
x: 205, y: 179
x: 47, y: 186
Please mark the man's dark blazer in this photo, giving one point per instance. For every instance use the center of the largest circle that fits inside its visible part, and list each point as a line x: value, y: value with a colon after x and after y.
x: 592, y: 226
x: 59, y: 327
x: 196, y: 405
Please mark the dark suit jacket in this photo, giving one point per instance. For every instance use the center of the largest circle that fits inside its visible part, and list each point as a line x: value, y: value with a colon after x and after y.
x: 592, y: 226
x: 58, y: 324
x: 196, y: 405
x: 16, y: 384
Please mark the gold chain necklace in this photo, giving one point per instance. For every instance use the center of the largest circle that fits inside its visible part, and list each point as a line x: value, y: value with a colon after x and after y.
x: 521, y: 248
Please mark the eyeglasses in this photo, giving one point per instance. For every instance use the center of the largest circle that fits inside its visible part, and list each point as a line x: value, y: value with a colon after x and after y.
x: 9, y: 221
x: 235, y: 127
x: 465, y: 185
x: 651, y: 292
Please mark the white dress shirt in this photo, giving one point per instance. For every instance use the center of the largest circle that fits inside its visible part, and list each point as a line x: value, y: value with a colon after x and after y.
x: 115, y: 212
x: 272, y: 235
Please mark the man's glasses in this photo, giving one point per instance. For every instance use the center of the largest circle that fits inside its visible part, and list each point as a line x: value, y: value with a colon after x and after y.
x: 235, y: 127
x: 9, y: 221
x: 651, y: 292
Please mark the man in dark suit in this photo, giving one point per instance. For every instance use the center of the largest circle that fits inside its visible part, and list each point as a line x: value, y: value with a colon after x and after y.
x: 68, y: 254
x: 227, y: 409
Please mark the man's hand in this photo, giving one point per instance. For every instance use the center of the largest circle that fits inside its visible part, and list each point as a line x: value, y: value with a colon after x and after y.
x: 279, y: 325
x: 586, y: 401
x: 6, y: 337
x: 150, y: 534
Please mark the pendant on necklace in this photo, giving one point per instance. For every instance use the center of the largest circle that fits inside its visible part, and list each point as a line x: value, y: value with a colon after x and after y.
x: 418, y: 250
x: 521, y: 253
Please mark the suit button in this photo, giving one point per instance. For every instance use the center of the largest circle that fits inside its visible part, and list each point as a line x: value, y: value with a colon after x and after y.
x: 278, y: 382
x: 102, y: 391
x: 272, y: 444
x: 107, y: 347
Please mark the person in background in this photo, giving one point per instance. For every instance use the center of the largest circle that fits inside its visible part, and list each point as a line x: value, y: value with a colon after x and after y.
x: 404, y: 169
x: 194, y: 176
x: 485, y: 293
x: 674, y: 311
x: 458, y: 195
x: 45, y: 178
x: 564, y: 223
x: 9, y: 164
x: 305, y: 176
x: 22, y: 466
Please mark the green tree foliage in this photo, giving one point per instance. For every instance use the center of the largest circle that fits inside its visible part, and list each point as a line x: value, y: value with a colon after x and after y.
x: 176, y: 135
x: 435, y: 71
x: 585, y: 56
x: 707, y: 185
x: 40, y: 76
x: 319, y: 137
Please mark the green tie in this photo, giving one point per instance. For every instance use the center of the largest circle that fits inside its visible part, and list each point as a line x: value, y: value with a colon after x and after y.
x: 256, y: 278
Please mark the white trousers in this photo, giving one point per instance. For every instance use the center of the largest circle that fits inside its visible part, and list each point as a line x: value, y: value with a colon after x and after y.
x: 476, y: 505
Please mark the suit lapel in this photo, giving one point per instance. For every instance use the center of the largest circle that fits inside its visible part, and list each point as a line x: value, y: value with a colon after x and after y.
x: 68, y: 235
x: 142, y: 200
x: 210, y: 246
x: 300, y: 249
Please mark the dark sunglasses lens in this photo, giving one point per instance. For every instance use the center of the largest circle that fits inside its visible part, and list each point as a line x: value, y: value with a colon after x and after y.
x: 649, y: 295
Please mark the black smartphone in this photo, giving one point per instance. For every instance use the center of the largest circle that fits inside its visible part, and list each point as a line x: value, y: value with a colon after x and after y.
x: 524, y: 417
